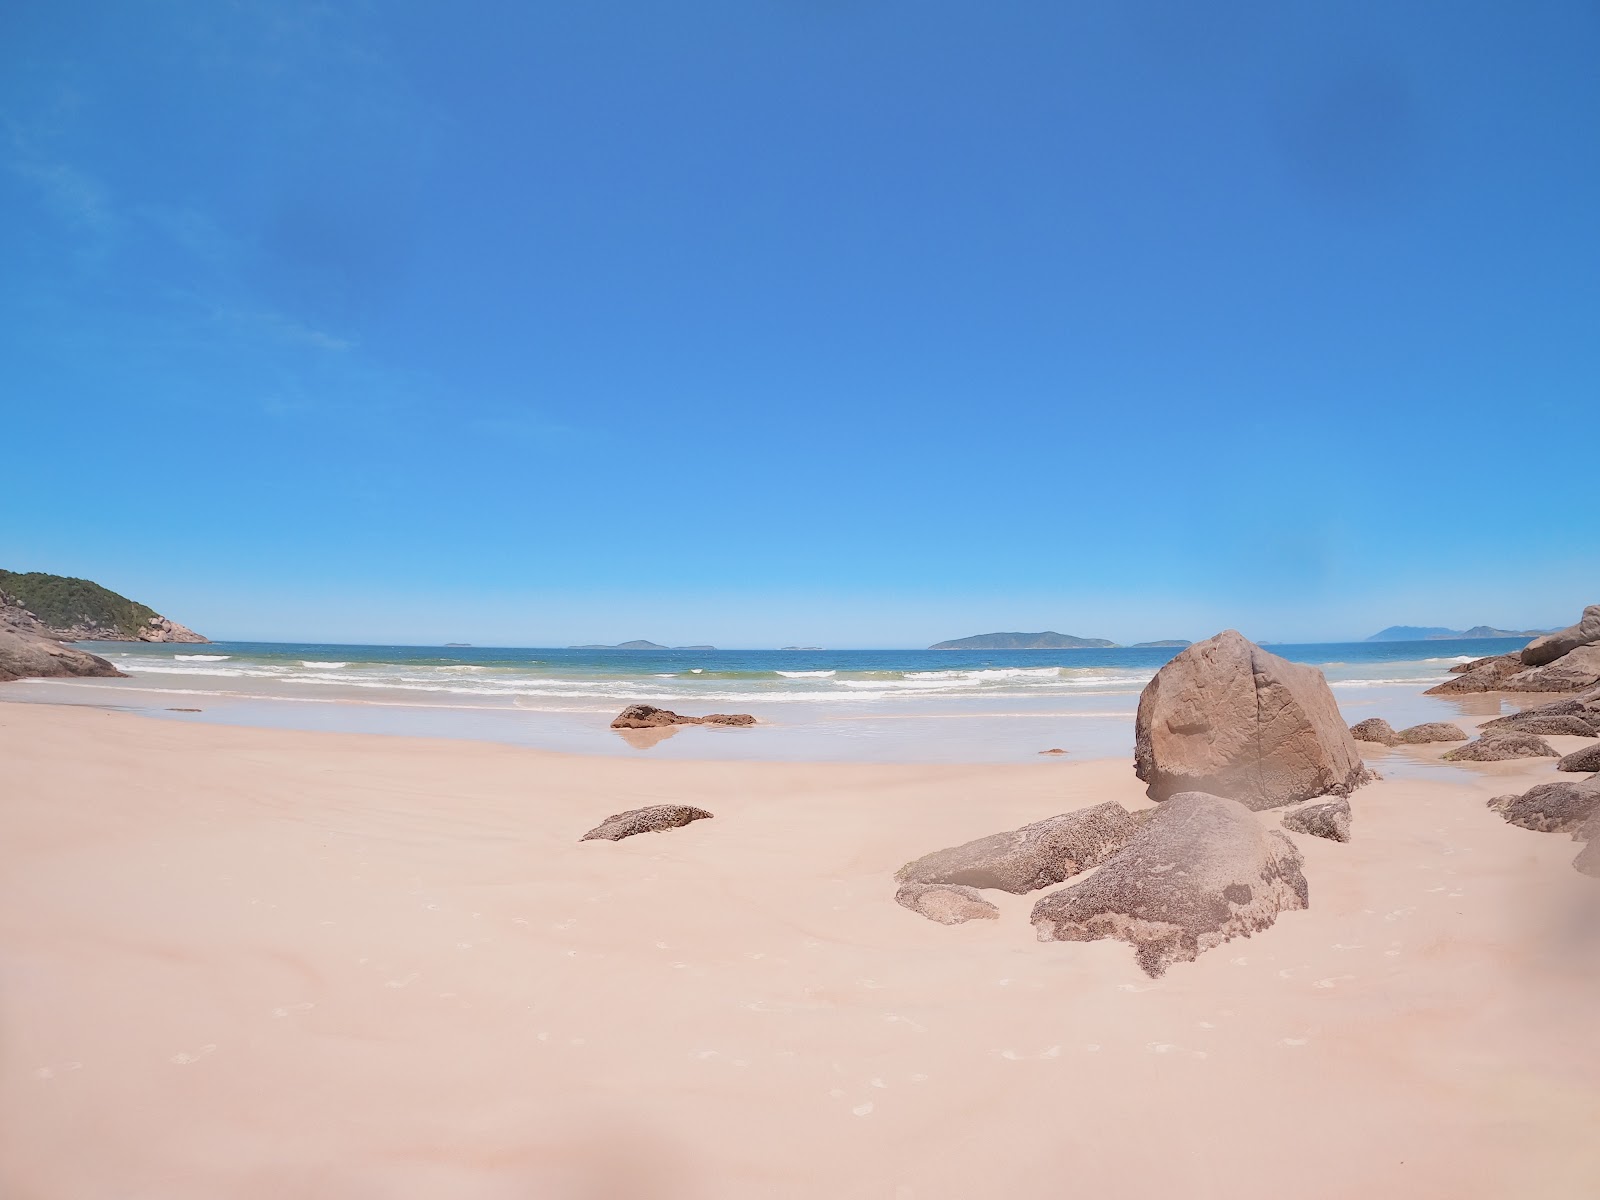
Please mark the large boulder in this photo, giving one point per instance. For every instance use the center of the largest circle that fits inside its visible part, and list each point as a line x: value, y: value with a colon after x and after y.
x: 1200, y: 872
x: 1499, y: 745
x: 1573, y: 671
x: 1431, y: 731
x: 1374, y: 729
x: 26, y: 655
x: 648, y: 716
x: 1554, y: 645
x: 1587, y: 759
x: 1588, y: 860
x: 1227, y: 717
x: 1480, y: 675
x: 1560, y: 807
x: 1330, y: 819
x: 946, y: 903
x: 1027, y: 859
x: 644, y: 820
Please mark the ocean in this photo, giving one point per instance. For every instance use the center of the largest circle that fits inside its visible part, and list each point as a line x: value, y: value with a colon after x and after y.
x: 886, y: 705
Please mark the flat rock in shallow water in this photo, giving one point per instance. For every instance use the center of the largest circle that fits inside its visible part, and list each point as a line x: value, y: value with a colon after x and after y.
x: 1498, y: 746
x: 1330, y: 819
x: 1227, y: 717
x: 1587, y: 759
x: 946, y: 903
x: 1374, y: 729
x: 648, y: 716
x: 1560, y: 807
x: 1201, y: 871
x: 1027, y: 859
x: 1431, y: 731
x: 1544, y: 725
x: 644, y: 820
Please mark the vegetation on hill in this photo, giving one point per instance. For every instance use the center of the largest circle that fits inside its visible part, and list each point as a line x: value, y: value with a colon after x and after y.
x: 63, y: 602
x: 1048, y: 640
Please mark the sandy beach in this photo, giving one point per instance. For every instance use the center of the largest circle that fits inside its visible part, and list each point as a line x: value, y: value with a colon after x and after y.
x: 255, y: 963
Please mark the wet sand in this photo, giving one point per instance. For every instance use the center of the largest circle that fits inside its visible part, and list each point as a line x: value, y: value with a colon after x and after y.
x: 256, y: 963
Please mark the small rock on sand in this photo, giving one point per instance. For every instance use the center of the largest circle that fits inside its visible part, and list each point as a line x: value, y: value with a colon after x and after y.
x: 1498, y: 745
x: 1374, y: 729
x: 1053, y: 750
x: 946, y: 903
x: 1560, y: 807
x: 1201, y: 872
x: 1431, y: 731
x: 1330, y: 819
x: 648, y: 716
x: 1587, y: 759
x: 1035, y: 856
x: 644, y: 820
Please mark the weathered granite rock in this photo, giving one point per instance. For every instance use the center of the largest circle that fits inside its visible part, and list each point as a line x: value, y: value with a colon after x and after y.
x: 648, y: 716
x: 644, y: 820
x: 1587, y: 759
x: 1588, y: 860
x: 1561, y: 807
x: 1573, y: 671
x: 1431, y: 731
x: 1481, y: 675
x: 1374, y: 729
x: 1330, y: 819
x: 1202, y: 871
x: 1227, y: 717
x: 29, y: 656
x: 1554, y: 645
x: 1498, y: 745
x: 1027, y: 859
x: 1545, y: 726
x: 1053, y: 750
x: 946, y: 903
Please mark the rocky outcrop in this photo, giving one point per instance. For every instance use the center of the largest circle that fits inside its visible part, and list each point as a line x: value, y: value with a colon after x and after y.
x: 1027, y: 859
x: 1587, y: 759
x: 1330, y: 819
x: 1498, y: 745
x: 79, y: 610
x: 1561, y: 807
x: 1543, y: 725
x: 1227, y: 717
x: 1374, y: 729
x: 1431, y: 731
x: 946, y: 903
x: 1566, y: 661
x: 1554, y: 645
x: 1588, y: 860
x: 28, y: 656
x: 647, y: 716
x: 644, y: 820
x: 1200, y: 872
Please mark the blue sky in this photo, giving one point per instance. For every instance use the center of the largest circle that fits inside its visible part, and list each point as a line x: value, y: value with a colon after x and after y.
x: 776, y: 321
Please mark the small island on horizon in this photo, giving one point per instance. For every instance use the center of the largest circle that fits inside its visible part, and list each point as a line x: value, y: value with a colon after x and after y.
x: 1048, y: 640
x: 640, y: 644
x: 1438, y: 633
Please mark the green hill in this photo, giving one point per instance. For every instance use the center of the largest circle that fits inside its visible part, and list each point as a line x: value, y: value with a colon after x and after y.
x: 1024, y: 641
x: 82, y: 610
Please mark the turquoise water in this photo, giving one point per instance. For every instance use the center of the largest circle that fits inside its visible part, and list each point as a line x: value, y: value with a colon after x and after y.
x: 917, y: 705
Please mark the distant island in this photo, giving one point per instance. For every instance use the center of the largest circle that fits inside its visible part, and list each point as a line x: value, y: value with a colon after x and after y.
x: 1166, y: 644
x: 456, y: 645
x: 800, y: 647
x: 1025, y: 641
x: 640, y: 644
x: 80, y: 610
x: 1435, y: 633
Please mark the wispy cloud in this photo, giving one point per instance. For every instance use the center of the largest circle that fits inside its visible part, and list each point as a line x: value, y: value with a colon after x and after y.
x: 69, y: 193
x: 282, y: 328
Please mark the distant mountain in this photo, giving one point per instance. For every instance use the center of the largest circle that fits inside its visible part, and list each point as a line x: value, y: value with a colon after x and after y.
x: 1024, y: 641
x: 1169, y: 643
x: 640, y: 645
x: 79, y: 610
x: 1435, y: 633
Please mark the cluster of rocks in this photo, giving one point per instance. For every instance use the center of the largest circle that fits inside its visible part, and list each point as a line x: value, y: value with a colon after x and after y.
x: 1224, y: 730
x: 1565, y: 661
x: 29, y: 650
x: 1376, y: 729
x: 647, y: 716
x: 1566, y: 806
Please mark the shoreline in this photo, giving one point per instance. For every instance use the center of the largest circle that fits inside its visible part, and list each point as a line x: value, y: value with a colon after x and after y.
x: 386, y: 967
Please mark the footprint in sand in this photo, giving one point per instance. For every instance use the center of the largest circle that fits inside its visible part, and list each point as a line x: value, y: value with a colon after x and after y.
x: 1342, y: 946
x: 1012, y: 1055
x: 1133, y: 987
x: 918, y: 1078
x: 1331, y: 981
x: 894, y: 1018
x: 292, y: 1008
x: 862, y: 1110
x: 404, y: 981
x: 872, y: 984
x: 1293, y: 1041
x: 50, y: 1072
x: 183, y: 1058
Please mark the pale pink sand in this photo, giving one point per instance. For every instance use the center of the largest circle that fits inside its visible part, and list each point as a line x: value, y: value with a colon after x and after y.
x: 248, y: 963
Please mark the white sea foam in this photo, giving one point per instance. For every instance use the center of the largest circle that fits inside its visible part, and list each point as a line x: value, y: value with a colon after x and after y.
x: 808, y: 674
x: 324, y: 666
x: 202, y: 657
